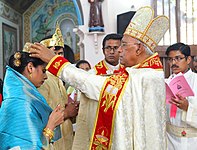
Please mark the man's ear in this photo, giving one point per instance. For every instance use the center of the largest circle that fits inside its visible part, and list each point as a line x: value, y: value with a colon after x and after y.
x: 189, y: 59
x: 30, y: 67
x: 140, y: 49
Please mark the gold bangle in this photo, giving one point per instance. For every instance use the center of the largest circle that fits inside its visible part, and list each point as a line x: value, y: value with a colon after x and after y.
x: 45, y: 134
x: 48, y: 135
x: 48, y: 132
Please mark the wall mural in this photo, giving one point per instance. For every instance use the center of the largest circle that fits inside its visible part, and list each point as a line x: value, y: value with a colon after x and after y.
x: 43, y: 21
x: 9, y: 34
x: 10, y: 14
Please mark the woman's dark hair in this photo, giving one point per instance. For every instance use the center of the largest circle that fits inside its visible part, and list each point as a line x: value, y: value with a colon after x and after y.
x: 82, y: 62
x: 19, y: 61
x: 183, y: 48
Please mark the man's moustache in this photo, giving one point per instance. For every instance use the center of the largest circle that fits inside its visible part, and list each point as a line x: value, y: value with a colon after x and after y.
x: 174, y: 66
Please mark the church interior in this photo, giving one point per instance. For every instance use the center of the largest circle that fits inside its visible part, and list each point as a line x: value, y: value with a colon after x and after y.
x: 29, y: 21
x: 98, y: 74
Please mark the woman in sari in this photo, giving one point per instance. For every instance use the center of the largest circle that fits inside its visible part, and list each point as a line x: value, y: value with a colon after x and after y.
x: 26, y: 120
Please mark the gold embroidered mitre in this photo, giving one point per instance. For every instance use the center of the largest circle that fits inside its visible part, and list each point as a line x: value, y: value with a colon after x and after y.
x: 56, y: 40
x: 147, y: 29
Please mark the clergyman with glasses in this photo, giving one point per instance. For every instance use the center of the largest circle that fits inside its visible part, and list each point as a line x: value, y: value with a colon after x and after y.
x: 182, y: 127
x: 110, y: 63
x: 131, y: 110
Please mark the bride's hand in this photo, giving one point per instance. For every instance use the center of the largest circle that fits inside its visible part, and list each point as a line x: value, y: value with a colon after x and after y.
x: 56, y: 117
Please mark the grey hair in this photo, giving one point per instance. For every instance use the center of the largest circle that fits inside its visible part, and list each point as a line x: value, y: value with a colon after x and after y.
x: 147, y: 49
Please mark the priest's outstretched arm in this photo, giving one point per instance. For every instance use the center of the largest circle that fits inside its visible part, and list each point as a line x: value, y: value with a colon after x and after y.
x: 87, y: 83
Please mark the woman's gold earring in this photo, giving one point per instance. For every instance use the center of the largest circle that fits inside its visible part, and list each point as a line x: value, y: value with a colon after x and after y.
x: 30, y: 75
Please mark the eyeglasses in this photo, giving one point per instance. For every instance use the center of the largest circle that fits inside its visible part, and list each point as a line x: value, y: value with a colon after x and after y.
x: 109, y: 48
x: 127, y: 44
x: 176, y: 59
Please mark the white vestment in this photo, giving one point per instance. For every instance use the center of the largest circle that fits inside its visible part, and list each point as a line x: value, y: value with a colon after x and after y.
x: 185, y: 119
x: 140, y: 117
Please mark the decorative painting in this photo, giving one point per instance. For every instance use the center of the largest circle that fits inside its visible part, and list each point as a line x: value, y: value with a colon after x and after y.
x: 43, y: 21
x: 9, y: 36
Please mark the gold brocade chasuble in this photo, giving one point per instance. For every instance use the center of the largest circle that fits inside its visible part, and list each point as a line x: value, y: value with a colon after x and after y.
x: 109, y: 99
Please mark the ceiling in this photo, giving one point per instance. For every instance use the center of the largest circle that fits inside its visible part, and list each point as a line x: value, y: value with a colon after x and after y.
x: 19, y: 5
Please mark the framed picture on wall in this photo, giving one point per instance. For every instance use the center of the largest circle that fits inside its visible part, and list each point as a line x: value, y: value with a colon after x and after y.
x: 9, y: 39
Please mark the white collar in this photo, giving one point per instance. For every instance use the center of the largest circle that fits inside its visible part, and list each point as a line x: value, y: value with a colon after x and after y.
x: 111, y: 67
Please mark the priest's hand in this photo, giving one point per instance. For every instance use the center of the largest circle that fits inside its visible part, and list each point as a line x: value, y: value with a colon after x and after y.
x: 181, y: 102
x: 71, y: 109
x: 40, y: 51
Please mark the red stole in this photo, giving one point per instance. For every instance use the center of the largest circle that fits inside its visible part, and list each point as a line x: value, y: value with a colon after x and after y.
x: 101, y: 68
x: 151, y: 62
x: 110, y: 97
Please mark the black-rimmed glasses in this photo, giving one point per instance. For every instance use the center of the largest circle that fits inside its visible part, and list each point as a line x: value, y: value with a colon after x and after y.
x: 109, y: 48
x: 176, y: 59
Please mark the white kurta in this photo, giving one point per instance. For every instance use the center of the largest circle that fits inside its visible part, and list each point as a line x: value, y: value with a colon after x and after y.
x: 185, y: 119
x: 140, y: 118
